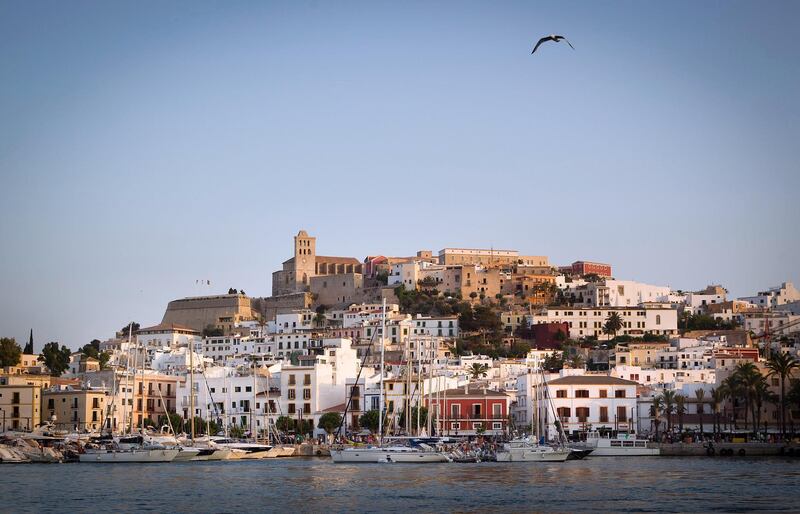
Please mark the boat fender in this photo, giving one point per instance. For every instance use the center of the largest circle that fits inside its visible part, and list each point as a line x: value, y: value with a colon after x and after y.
x: 319, y: 452
x: 710, y: 452
x: 742, y: 452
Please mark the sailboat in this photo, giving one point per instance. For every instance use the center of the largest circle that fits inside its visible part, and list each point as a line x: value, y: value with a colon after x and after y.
x: 131, y: 448
x: 388, y: 454
x: 532, y: 450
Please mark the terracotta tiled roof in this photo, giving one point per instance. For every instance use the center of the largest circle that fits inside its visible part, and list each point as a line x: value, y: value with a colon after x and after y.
x: 590, y: 380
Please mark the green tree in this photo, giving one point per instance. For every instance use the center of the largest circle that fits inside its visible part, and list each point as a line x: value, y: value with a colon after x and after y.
x: 133, y: 327
x: 668, y: 401
x: 782, y: 365
x: 284, y: 424
x: 10, y: 352
x: 92, y: 349
x: 680, y: 410
x: 553, y: 361
x: 212, y: 331
x: 329, y: 422
x: 700, y: 396
x: 369, y: 420
x: 56, y: 360
x: 478, y: 370
x: 718, y: 395
x: 613, y: 324
x: 655, y: 413
x: 29, y: 345
x: 423, y: 417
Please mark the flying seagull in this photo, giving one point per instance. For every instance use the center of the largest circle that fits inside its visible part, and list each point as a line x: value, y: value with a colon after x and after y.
x: 552, y: 37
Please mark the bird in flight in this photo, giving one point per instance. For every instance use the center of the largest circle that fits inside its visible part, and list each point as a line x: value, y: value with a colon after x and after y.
x: 552, y: 37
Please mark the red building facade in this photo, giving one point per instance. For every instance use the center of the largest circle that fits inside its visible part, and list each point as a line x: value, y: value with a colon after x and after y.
x: 473, y: 411
x: 586, y: 267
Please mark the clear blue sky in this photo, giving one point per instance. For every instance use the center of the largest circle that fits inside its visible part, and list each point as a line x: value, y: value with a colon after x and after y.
x: 145, y: 145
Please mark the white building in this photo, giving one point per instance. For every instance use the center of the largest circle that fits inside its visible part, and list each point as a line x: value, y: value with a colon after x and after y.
x: 593, y: 402
x: 775, y: 296
x: 697, y: 302
x: 615, y: 293
x: 657, y: 318
x: 232, y: 397
x: 318, y: 383
x: 165, y: 337
x: 442, y: 326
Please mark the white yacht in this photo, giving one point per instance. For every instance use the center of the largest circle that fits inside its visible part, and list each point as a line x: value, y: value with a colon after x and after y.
x: 242, y: 450
x: 623, y: 445
x: 396, y: 454
x: 525, y: 450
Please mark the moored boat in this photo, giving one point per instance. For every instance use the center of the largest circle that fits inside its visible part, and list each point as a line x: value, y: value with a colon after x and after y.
x: 132, y: 455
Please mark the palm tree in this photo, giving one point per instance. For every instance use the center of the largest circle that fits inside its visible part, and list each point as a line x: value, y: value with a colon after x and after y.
x: 655, y: 413
x: 613, y: 324
x: 478, y: 370
x: 700, y: 395
x: 761, y: 394
x: 782, y: 364
x: 718, y: 395
x: 668, y: 399
x: 680, y: 408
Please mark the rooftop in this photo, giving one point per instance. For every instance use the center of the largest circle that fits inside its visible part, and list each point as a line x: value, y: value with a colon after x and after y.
x: 591, y: 380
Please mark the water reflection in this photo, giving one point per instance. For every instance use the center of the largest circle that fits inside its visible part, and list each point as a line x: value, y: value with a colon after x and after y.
x: 313, y: 485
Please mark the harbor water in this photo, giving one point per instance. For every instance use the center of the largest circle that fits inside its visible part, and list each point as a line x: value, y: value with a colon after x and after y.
x: 654, y: 484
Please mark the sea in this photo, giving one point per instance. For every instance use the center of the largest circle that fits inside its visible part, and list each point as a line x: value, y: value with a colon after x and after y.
x: 301, y: 485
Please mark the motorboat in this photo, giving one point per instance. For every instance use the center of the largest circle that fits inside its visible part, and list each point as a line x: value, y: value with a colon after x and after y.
x: 395, y: 454
x: 243, y: 450
x: 10, y: 455
x: 579, y: 453
x: 622, y: 445
x: 525, y: 450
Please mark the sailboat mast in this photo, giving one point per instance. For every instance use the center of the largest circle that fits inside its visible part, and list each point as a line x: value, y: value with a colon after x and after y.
x: 191, y: 387
x: 252, y: 407
x: 127, y: 382
x: 380, y: 397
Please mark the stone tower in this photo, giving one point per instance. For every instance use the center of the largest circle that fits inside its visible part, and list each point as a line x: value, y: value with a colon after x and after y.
x: 305, y: 253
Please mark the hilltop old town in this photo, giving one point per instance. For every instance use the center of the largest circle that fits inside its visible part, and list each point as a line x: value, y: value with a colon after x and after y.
x: 463, y: 337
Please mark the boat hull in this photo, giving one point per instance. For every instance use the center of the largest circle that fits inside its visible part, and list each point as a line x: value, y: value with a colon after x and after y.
x: 532, y: 455
x: 112, y: 456
x: 625, y: 452
x: 383, y: 456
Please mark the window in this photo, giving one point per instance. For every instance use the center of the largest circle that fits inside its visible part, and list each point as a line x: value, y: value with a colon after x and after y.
x: 237, y: 389
x: 603, y: 393
x: 306, y: 394
x: 564, y: 413
x: 292, y: 409
x: 604, y: 414
x: 290, y: 394
x: 497, y: 410
x: 622, y: 414
x: 582, y: 393
x: 561, y: 393
x: 248, y: 389
x: 306, y: 408
x: 497, y: 426
x: 619, y: 393
x: 307, y: 379
x: 291, y: 380
x: 455, y: 410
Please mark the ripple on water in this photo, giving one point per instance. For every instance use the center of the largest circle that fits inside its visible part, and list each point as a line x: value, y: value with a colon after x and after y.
x: 610, y: 484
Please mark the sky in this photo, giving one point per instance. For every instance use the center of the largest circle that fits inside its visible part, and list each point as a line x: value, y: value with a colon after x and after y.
x: 147, y: 145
